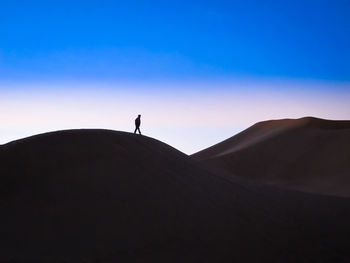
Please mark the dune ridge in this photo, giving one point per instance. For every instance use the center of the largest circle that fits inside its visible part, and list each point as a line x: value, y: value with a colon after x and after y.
x: 306, y: 154
x: 108, y: 196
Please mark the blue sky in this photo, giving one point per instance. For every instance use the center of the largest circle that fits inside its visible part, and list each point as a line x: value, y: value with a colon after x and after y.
x: 182, y: 39
x: 256, y: 51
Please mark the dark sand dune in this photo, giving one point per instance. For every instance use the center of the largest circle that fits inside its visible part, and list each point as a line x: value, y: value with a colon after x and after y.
x: 306, y: 154
x: 105, y: 196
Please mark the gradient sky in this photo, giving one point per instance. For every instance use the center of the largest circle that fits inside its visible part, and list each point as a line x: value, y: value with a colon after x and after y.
x: 197, y: 71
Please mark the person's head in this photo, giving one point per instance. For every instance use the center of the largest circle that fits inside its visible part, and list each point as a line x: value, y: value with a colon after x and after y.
x: 139, y: 116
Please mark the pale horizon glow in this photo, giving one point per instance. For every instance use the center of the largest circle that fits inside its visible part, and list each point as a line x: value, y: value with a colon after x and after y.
x: 189, y: 116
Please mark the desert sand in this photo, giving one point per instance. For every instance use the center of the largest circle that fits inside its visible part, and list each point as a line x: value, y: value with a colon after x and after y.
x: 108, y: 196
x: 307, y: 154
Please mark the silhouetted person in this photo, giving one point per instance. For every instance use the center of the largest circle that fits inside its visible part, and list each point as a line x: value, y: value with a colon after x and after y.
x: 137, y: 124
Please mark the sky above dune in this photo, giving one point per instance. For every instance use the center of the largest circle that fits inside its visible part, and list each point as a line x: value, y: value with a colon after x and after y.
x: 197, y: 71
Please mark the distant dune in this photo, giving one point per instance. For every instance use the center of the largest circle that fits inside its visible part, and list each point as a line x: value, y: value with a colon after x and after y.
x: 106, y: 196
x: 306, y: 154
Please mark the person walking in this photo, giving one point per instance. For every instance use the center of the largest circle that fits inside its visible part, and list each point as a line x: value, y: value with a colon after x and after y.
x: 137, y: 124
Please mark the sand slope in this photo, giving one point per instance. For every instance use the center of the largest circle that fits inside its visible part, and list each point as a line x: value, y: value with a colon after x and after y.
x: 106, y: 196
x: 306, y: 154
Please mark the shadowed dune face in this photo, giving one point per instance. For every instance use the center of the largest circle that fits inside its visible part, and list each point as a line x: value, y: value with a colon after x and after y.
x: 104, y: 196
x: 306, y: 154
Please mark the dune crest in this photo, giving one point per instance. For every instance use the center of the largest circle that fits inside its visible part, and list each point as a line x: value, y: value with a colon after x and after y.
x: 108, y: 196
x: 307, y: 154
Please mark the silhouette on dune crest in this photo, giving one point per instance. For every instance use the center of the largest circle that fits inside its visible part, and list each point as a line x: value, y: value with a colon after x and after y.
x: 306, y: 154
x: 106, y: 196
x: 137, y: 124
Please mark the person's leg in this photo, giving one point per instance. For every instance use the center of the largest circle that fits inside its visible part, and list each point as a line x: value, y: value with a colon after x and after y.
x: 135, y: 130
